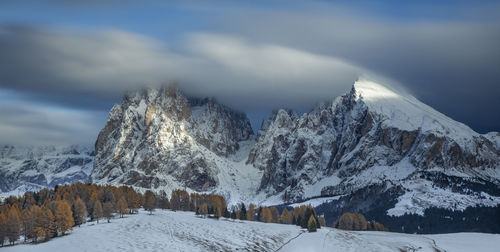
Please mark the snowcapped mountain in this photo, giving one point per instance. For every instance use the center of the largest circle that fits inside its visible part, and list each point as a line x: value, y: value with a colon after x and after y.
x: 373, y: 148
x: 378, y: 142
x: 162, y: 140
x: 371, y: 141
x: 32, y: 168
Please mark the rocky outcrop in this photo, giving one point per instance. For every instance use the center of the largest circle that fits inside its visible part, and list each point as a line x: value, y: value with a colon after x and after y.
x: 160, y: 138
x: 353, y: 142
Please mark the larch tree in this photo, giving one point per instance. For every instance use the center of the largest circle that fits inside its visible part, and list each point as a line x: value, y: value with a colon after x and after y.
x: 322, y: 221
x: 275, y: 215
x: 13, y: 225
x: 97, y: 212
x: 37, y: 214
x: 251, y: 212
x: 27, y: 220
x: 204, y: 209
x: 3, y: 228
x: 80, y: 211
x: 121, y: 207
x: 48, y: 223
x: 63, y: 217
x: 266, y: 215
x: 108, y: 210
x: 150, y: 201
x: 285, y: 217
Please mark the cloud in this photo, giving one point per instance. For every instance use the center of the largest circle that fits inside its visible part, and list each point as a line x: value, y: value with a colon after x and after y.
x: 106, y: 63
x: 27, y: 124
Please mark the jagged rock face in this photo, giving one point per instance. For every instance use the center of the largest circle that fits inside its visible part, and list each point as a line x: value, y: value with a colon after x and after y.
x: 33, y: 168
x: 339, y: 147
x: 158, y: 136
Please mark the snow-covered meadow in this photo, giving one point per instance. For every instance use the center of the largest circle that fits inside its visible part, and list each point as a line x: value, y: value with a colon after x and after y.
x: 183, y: 231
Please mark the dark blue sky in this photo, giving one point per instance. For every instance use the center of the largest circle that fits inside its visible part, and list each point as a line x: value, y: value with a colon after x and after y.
x: 71, y: 60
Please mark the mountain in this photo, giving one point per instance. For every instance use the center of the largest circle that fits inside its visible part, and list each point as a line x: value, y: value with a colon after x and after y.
x: 163, y: 140
x: 32, y: 168
x: 376, y: 141
x: 375, y: 150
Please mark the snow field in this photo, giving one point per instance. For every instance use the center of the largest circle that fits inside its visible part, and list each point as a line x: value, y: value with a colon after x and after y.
x: 183, y: 231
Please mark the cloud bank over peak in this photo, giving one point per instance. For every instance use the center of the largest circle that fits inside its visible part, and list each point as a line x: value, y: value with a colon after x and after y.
x: 104, y: 64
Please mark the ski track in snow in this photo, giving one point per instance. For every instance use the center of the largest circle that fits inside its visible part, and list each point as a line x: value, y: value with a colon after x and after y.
x: 183, y: 231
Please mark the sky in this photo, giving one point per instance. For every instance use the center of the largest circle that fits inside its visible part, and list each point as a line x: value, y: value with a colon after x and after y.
x: 63, y: 64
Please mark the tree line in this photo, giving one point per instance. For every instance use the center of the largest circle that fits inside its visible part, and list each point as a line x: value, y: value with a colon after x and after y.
x: 43, y: 215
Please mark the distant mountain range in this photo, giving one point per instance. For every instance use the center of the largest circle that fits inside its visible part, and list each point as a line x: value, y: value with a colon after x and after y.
x: 372, y: 148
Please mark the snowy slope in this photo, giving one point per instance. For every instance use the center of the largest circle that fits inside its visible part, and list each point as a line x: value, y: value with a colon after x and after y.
x: 183, y: 231
x: 33, y: 168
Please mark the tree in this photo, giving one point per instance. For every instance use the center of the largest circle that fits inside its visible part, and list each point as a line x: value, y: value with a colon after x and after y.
x: 47, y: 223
x: 121, y: 207
x: 80, y: 211
x: 275, y: 215
x: 234, y: 215
x: 351, y: 221
x: 322, y: 221
x: 286, y: 217
x: 243, y: 212
x: 251, y: 212
x: 266, y: 215
x: 3, y: 228
x: 204, y: 209
x: 13, y: 225
x: 163, y: 201
x: 108, y: 210
x: 180, y: 200
x: 149, y: 202
x: 64, y: 216
x: 37, y: 215
x: 133, y: 200
x: 28, y: 223
x: 311, y: 224
x: 97, y: 213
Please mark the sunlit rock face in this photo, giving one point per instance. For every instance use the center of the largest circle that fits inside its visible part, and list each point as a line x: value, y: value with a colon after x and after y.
x: 159, y: 137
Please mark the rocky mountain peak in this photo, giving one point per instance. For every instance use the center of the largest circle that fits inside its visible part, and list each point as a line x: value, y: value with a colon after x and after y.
x: 354, y: 141
x: 160, y: 133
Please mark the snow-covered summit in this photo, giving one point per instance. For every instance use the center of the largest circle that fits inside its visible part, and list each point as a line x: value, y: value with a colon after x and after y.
x: 403, y: 111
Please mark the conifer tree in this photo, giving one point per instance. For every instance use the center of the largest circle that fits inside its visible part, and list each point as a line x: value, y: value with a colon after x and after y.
x: 3, y: 228
x: 243, y: 212
x: 251, y: 212
x: 37, y: 215
x: 13, y: 225
x: 97, y: 213
x: 27, y: 220
x: 285, y: 217
x: 311, y: 224
x: 122, y: 207
x: 204, y: 209
x: 266, y: 215
x: 48, y: 223
x: 80, y: 211
x: 322, y: 221
x: 149, y: 202
x: 63, y: 217
x: 108, y: 210
x: 233, y: 214
x: 275, y: 215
